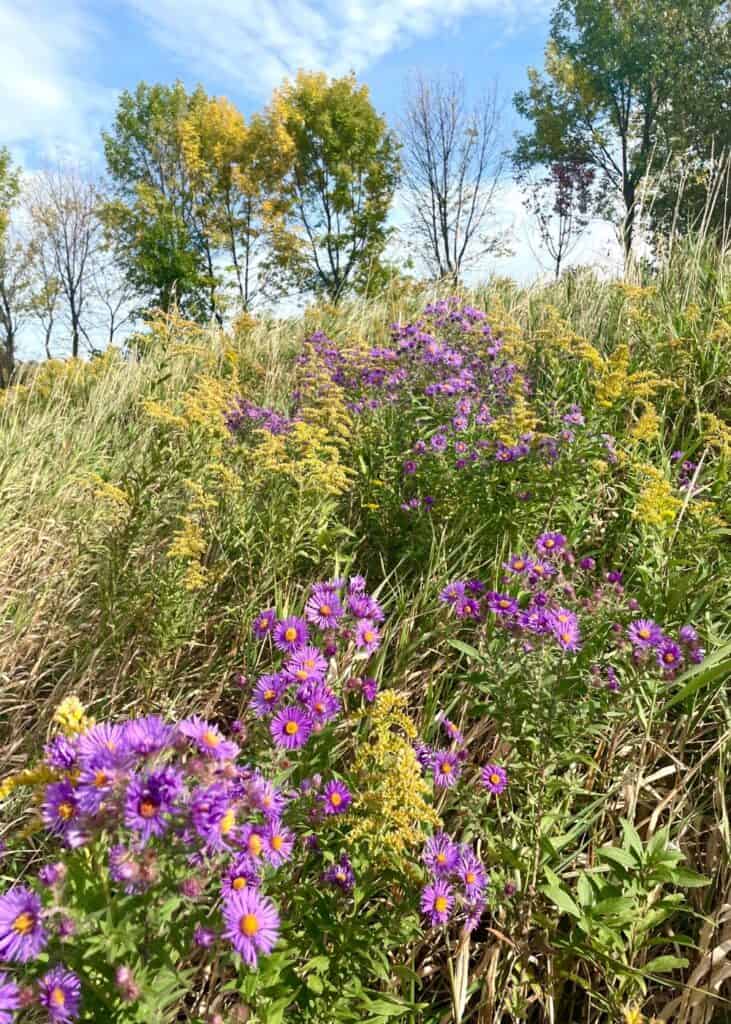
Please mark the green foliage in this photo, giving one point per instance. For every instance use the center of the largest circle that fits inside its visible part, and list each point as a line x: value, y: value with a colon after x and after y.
x: 624, y: 84
x: 341, y: 172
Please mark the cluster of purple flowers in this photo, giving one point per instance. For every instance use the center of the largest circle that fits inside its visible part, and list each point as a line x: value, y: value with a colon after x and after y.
x: 541, y: 586
x: 245, y: 414
x: 686, y: 471
x: 456, y: 889
x: 297, y: 699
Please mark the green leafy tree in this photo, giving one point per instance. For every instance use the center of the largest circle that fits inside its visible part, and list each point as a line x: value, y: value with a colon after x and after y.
x: 341, y: 166
x: 152, y: 216
x: 615, y: 71
x: 15, y: 270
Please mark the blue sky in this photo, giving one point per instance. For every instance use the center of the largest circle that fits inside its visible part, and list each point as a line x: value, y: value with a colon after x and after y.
x: 64, y: 63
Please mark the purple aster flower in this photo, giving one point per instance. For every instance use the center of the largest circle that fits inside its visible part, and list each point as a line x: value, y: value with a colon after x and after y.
x: 267, y: 692
x: 669, y: 655
x: 367, y: 636
x: 291, y: 633
x: 565, y: 628
x: 341, y: 874
x: 369, y: 689
x: 549, y: 544
x: 251, y: 924
x: 60, y: 753
x: 322, y: 704
x: 336, y: 797
x: 437, y: 900
x: 696, y: 655
x: 587, y: 563
x: 208, y: 738
x: 278, y: 843
x: 440, y: 854
x: 22, y: 935
x: 363, y: 606
x: 213, y: 815
x: 306, y: 665
x: 471, y: 873
x: 450, y: 728
x: 356, y: 584
x: 60, y: 808
x: 614, y: 576
x: 203, y: 937
x: 95, y: 785
x: 251, y: 838
x: 149, y: 800
x: 409, y: 467
x: 688, y: 635
x: 519, y: 564
x: 126, y: 868
x: 242, y: 874
x: 323, y: 607
x: 9, y: 999
x: 52, y: 874
x: 453, y: 593
x: 265, y: 796
x: 644, y: 633
x: 102, y: 742
x: 264, y: 623
x: 474, y: 914
x: 438, y: 442
x: 148, y: 735
x: 291, y: 728
x: 501, y: 604
x: 494, y: 778
x: 60, y: 994
x: 540, y: 571
x: 446, y: 769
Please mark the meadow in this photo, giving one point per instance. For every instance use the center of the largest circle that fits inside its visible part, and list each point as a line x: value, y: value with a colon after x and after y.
x: 374, y: 665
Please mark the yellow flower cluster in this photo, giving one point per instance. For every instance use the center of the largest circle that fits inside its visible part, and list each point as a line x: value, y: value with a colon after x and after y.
x: 391, y: 808
x: 647, y: 425
x: 717, y: 434
x: 616, y: 382
x: 71, y: 717
x: 35, y: 777
x: 656, y: 505
x: 189, y: 544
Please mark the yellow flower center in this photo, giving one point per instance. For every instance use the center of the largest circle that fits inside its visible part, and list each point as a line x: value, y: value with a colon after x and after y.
x: 644, y: 633
x: 23, y: 923
x: 57, y: 996
x: 446, y: 768
x: 210, y: 738
x: 249, y: 925
x: 565, y: 637
x: 325, y: 610
x: 320, y: 708
x: 263, y: 623
x: 441, y: 858
x: 309, y: 663
x: 340, y: 875
x: 290, y: 634
x: 239, y: 883
x: 65, y: 811
x: 302, y: 673
x: 254, y: 844
x: 470, y: 878
x: 227, y: 822
x: 269, y: 695
x: 503, y: 603
x: 668, y: 657
x: 100, y: 779
x: 368, y: 636
x: 277, y: 842
x: 550, y: 543
x: 336, y: 799
x: 291, y: 728
x: 440, y: 904
x: 520, y: 564
x: 495, y: 779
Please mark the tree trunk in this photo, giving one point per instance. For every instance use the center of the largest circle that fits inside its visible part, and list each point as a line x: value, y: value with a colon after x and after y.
x: 628, y: 222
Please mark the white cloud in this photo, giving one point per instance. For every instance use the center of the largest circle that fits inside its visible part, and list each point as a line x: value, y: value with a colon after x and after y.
x: 255, y: 43
x: 50, y: 106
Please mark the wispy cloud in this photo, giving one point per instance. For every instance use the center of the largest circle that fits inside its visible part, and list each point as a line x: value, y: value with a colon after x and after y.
x: 255, y: 43
x: 50, y: 105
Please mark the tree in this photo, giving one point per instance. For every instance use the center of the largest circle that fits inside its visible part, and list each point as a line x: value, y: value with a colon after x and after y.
x: 615, y: 70
x: 15, y: 270
x: 340, y: 168
x: 151, y: 216
x: 64, y: 211
x: 559, y: 202
x: 452, y: 169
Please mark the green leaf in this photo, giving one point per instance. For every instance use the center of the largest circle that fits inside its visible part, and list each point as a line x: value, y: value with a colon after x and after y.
x: 615, y: 855
x: 562, y: 900
x: 471, y: 652
x: 664, y: 964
